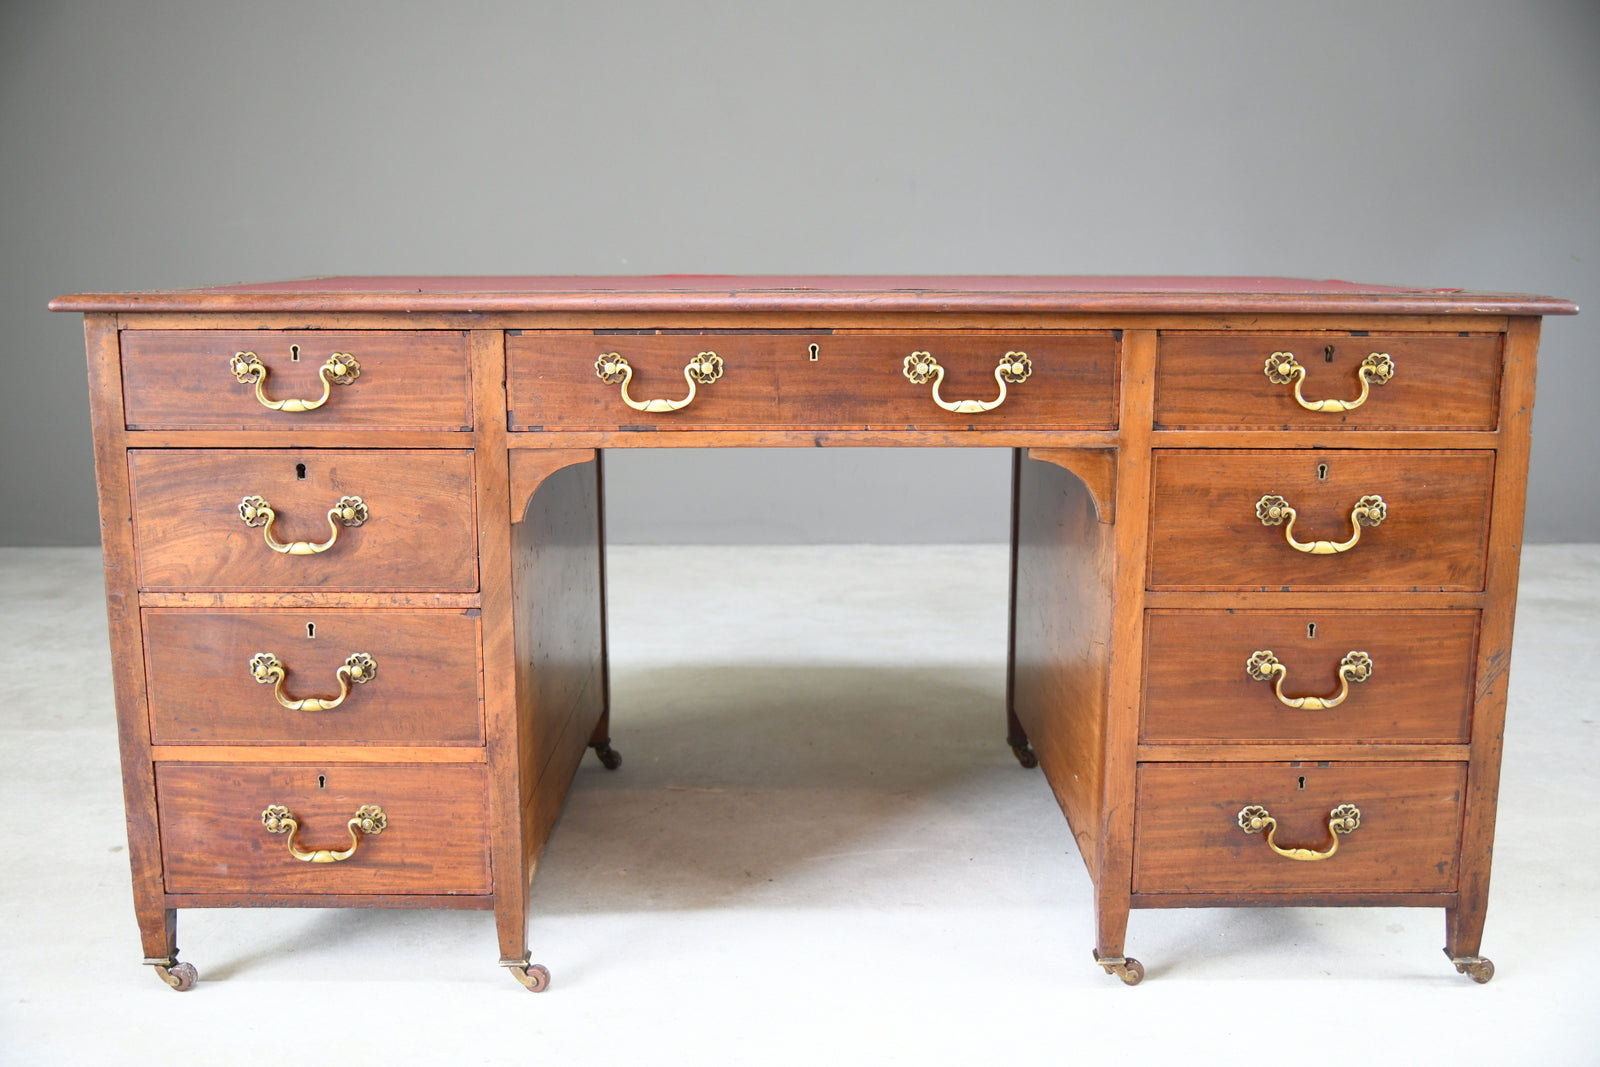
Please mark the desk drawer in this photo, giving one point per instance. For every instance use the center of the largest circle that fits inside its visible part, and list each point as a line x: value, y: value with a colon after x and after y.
x: 1187, y: 837
x: 769, y: 381
x: 419, y: 531
x: 414, y: 681
x: 1409, y: 677
x: 1207, y: 531
x: 214, y: 840
x: 182, y: 379
x: 1433, y: 381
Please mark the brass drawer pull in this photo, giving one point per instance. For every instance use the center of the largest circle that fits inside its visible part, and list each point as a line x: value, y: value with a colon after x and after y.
x: 1264, y: 667
x: 340, y: 369
x: 267, y: 669
x: 349, y: 511
x: 703, y: 369
x: 1275, y: 511
x: 1344, y: 819
x: 1282, y: 368
x: 368, y: 819
x: 921, y: 368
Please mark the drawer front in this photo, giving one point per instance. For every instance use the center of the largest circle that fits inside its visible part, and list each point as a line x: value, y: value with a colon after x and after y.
x: 1187, y: 837
x: 213, y: 839
x: 1408, y: 679
x: 1434, y: 381
x: 419, y: 533
x: 770, y: 382
x: 182, y: 379
x: 1206, y: 530
x: 417, y: 682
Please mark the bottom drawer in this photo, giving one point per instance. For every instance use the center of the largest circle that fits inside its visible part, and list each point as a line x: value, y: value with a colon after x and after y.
x: 214, y: 839
x: 1187, y: 837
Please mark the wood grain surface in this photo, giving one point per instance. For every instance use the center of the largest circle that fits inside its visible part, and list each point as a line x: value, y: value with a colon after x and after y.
x: 1205, y: 533
x: 214, y: 841
x: 409, y: 380
x: 1440, y: 382
x: 1187, y: 838
x: 1197, y: 688
x: 770, y: 382
x: 425, y: 690
x: 421, y: 534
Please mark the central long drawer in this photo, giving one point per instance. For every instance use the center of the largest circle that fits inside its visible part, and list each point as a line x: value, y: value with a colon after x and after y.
x: 818, y: 380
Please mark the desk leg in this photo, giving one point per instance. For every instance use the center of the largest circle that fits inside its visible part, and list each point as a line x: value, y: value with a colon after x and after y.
x: 600, y: 740
x: 1016, y: 736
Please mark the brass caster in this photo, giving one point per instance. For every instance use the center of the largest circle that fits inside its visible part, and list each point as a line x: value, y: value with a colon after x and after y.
x: 180, y: 976
x: 1023, y: 751
x: 534, y: 976
x: 1477, y: 968
x: 610, y: 758
x: 1130, y: 970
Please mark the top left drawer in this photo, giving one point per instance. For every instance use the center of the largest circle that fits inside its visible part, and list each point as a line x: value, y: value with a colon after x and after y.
x: 296, y: 379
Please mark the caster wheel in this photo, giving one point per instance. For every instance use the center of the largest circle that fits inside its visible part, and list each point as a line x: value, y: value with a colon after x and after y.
x: 1126, y: 968
x: 1477, y: 968
x: 610, y: 758
x: 1024, y: 753
x: 180, y: 976
x: 535, y: 977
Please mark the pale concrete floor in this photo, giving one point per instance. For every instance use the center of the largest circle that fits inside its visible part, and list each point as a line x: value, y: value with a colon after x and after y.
x: 818, y: 849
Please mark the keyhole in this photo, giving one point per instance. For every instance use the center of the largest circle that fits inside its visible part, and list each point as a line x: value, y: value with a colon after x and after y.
x: 1322, y: 472
x: 1311, y: 629
x: 1302, y: 781
x: 300, y: 471
x: 815, y: 350
x: 311, y: 629
x: 322, y: 782
x: 1327, y: 354
x: 294, y: 353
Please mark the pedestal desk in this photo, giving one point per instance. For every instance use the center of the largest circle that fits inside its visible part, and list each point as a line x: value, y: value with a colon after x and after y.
x: 1265, y: 546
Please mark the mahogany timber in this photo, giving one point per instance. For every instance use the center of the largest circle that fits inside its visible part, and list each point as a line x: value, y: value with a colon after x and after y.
x: 556, y: 575
x: 1441, y: 381
x: 420, y: 534
x: 1464, y: 922
x: 409, y: 380
x: 933, y: 296
x: 1197, y: 688
x: 157, y: 918
x: 1188, y: 838
x: 214, y: 841
x: 1125, y: 572
x: 1062, y: 631
x: 425, y: 690
x: 770, y: 380
x: 1207, y: 534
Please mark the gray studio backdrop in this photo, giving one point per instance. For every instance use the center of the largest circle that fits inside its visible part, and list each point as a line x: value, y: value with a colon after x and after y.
x: 162, y: 143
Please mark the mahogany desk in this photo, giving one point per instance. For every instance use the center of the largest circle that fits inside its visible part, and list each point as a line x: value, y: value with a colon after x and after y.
x: 1265, y: 547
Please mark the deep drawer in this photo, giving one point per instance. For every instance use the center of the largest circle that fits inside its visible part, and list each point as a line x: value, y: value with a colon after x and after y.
x: 184, y: 379
x: 1432, y: 381
x: 214, y: 840
x: 1207, y: 530
x: 1415, y: 684
x: 417, y: 682
x: 419, y: 530
x: 1187, y: 837
x: 770, y: 380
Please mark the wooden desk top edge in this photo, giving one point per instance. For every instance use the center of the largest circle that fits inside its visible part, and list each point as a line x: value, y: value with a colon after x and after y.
x: 815, y: 293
